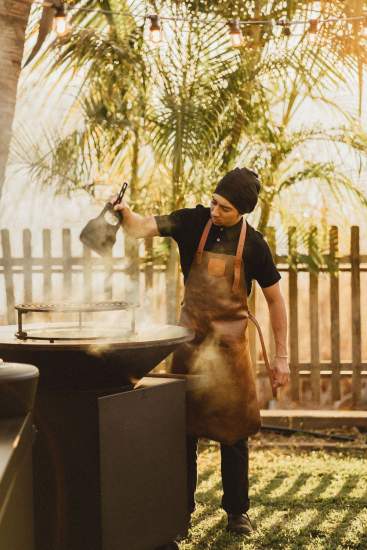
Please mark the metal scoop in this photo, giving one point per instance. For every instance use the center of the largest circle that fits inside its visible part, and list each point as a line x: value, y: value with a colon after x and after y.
x: 100, y: 233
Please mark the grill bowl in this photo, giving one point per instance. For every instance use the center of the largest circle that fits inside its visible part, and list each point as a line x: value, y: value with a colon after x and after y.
x: 118, y: 359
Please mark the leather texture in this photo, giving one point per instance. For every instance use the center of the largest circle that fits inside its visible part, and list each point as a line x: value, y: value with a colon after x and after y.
x: 221, y: 393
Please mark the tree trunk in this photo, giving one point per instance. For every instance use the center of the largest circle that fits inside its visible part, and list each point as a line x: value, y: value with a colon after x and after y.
x: 13, y: 22
x: 265, y: 215
x: 131, y: 244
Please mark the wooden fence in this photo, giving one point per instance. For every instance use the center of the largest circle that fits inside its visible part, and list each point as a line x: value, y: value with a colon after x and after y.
x: 20, y: 272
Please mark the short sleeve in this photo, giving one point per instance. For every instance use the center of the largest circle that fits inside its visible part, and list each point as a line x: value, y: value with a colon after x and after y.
x: 183, y: 225
x: 266, y: 271
x: 171, y: 225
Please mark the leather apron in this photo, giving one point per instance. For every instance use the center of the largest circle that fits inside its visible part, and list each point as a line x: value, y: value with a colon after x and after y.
x: 221, y: 393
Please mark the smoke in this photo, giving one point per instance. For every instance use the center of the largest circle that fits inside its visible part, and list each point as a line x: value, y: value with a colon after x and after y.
x: 117, y: 325
x: 221, y: 396
x: 212, y: 378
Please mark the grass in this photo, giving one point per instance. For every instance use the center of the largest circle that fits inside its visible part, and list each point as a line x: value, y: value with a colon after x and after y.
x: 299, y: 500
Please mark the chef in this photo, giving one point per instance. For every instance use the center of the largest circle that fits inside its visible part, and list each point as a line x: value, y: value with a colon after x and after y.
x: 221, y: 255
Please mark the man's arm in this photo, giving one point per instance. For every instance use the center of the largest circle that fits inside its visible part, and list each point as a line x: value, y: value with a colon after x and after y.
x: 136, y: 225
x: 278, y: 319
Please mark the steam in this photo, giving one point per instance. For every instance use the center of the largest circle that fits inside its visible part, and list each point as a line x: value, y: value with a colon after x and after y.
x: 212, y: 380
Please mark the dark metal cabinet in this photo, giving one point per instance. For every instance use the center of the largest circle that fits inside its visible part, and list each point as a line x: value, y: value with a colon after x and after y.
x: 16, y: 499
x: 109, y: 467
x: 143, y: 473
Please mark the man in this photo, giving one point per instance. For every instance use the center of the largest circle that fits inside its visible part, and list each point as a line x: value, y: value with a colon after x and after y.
x: 221, y: 254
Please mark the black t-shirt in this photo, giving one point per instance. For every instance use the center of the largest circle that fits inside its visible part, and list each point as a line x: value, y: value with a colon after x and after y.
x: 186, y: 226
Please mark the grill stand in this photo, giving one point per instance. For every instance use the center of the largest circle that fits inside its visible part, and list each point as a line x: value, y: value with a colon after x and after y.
x: 109, y: 461
x: 20, y: 332
x: 109, y: 467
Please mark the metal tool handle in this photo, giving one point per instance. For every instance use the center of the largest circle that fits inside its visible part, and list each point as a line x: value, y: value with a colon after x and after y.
x: 110, y: 205
x: 121, y: 194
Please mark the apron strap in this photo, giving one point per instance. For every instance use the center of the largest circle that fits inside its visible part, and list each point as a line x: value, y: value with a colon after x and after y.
x: 265, y: 355
x: 238, y: 259
x: 204, y: 236
x: 239, y: 252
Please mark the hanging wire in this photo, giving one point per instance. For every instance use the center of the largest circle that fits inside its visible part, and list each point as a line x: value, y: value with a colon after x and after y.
x: 62, y: 26
x: 281, y: 22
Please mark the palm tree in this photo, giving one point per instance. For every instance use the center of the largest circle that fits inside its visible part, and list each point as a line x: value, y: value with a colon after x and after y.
x: 13, y: 21
x: 196, y: 77
x: 197, y: 105
x: 192, y: 110
x: 275, y: 144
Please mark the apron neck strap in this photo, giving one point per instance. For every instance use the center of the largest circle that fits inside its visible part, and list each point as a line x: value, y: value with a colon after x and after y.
x: 238, y: 259
x: 241, y: 240
x: 204, y: 236
x: 239, y: 252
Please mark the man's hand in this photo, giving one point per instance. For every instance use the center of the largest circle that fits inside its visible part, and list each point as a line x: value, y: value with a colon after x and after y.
x: 278, y: 317
x: 119, y: 206
x: 281, y: 372
x: 135, y: 225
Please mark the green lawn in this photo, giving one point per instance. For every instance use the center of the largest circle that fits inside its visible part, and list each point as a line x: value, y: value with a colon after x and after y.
x: 313, y: 500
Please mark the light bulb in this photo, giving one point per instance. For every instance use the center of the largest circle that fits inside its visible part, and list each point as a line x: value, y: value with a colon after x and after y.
x: 286, y: 29
x: 313, y: 31
x: 155, y: 32
x: 313, y: 28
x: 364, y: 28
x: 155, y: 36
x: 60, y: 23
x: 235, y: 32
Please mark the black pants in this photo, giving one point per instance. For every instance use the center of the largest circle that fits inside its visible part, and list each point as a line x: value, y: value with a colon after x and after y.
x: 234, y: 469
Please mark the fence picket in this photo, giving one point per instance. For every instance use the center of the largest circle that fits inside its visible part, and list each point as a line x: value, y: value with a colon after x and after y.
x: 171, y: 285
x: 87, y: 266
x: 87, y: 274
x: 314, y: 328
x: 27, y: 266
x: 356, y: 314
x: 132, y: 275
x: 108, y: 277
x: 66, y: 264
x: 47, y: 265
x: 252, y: 334
x: 148, y: 271
x: 8, y: 276
x: 271, y: 238
x: 334, y: 316
x: 293, y: 316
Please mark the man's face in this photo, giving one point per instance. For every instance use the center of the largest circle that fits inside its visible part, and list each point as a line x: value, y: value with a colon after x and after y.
x: 222, y: 212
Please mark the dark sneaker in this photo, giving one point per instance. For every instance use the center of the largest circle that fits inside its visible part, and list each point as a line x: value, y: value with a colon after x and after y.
x: 240, y: 524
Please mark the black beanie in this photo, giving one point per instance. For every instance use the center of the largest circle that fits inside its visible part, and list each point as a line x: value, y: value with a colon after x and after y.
x: 241, y: 188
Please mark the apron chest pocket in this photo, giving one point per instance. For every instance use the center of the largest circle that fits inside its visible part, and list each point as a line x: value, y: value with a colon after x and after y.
x: 216, y: 267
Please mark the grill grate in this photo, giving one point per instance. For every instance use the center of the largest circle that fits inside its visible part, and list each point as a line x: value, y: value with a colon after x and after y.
x: 74, y: 306
x: 69, y: 307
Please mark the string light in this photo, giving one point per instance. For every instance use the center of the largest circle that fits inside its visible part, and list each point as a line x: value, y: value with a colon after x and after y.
x: 235, y: 33
x: 155, y: 31
x: 240, y: 21
x: 364, y: 24
x: 60, y: 22
x: 313, y: 30
x: 314, y: 26
x: 62, y: 27
x: 286, y: 28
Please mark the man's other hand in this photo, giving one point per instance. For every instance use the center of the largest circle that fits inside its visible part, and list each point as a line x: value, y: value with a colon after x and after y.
x: 281, y: 371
